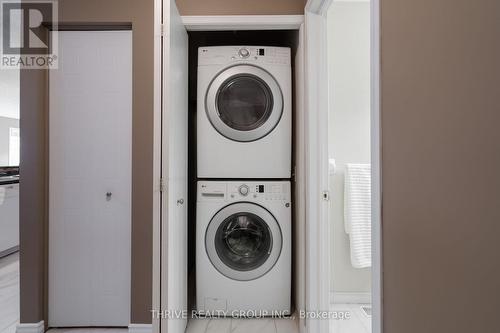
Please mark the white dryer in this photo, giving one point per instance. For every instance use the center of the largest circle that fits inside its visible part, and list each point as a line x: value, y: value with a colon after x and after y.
x: 244, y: 112
x: 243, y: 248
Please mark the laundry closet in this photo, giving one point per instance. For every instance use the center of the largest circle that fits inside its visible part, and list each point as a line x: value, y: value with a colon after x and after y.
x: 245, y: 167
x: 240, y: 201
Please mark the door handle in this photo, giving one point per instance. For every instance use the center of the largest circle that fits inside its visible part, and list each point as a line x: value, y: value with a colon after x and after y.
x: 180, y: 201
x: 108, y: 196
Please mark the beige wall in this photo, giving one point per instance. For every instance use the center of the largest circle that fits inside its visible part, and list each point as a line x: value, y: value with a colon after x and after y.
x: 32, y: 196
x: 33, y: 221
x: 441, y: 162
x: 241, y: 7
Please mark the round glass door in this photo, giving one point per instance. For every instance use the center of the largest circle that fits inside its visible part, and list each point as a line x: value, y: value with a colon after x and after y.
x: 244, y: 103
x: 243, y: 241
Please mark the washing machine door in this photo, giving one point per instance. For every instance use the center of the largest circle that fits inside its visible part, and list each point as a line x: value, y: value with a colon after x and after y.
x: 243, y: 241
x: 244, y: 103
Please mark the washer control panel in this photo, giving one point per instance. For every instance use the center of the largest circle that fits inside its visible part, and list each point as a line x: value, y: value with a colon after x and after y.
x: 221, y: 55
x: 244, y: 191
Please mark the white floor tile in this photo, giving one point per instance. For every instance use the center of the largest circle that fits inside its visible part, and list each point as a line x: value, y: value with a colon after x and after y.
x: 362, y: 317
x: 222, y: 325
x: 9, y: 293
x: 198, y: 325
x: 10, y: 329
x: 286, y: 326
x: 357, y: 322
x: 263, y: 325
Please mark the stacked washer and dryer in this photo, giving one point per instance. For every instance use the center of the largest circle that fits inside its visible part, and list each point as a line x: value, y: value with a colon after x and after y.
x: 243, y: 209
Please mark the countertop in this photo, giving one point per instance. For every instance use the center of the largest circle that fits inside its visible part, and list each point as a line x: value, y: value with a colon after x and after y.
x: 9, y: 175
x: 9, y: 180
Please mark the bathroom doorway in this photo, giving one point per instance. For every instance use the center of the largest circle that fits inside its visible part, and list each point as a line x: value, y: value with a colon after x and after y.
x: 364, y: 68
x: 348, y: 43
x: 353, y: 172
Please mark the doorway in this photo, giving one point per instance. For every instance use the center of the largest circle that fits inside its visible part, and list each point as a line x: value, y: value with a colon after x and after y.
x: 348, y: 40
x: 320, y: 294
x: 9, y: 198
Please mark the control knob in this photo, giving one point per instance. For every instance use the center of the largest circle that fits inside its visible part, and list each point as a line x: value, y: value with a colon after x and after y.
x: 243, y: 189
x: 244, y: 53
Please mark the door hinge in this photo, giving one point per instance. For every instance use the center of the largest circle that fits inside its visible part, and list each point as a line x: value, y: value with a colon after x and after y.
x: 162, y: 185
x: 163, y: 30
x: 326, y: 195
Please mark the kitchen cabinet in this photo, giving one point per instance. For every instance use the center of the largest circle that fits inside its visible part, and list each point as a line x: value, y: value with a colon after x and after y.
x: 9, y: 218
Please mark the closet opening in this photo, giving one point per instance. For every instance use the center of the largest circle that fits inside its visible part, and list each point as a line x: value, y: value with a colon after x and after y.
x: 249, y: 39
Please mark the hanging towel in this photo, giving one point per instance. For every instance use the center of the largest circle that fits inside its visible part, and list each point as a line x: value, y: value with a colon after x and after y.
x: 2, y: 194
x: 357, y: 213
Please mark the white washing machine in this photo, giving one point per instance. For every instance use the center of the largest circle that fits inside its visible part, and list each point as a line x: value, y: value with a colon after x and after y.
x: 243, y: 247
x: 244, y: 112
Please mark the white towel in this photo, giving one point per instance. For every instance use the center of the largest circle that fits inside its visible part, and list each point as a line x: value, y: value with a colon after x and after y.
x: 2, y: 194
x: 357, y: 213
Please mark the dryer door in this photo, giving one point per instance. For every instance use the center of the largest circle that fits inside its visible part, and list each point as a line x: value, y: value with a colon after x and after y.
x: 244, y: 103
x: 243, y: 241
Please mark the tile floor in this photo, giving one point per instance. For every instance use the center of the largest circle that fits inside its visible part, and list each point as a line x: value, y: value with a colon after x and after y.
x: 358, y: 321
x: 228, y: 325
x: 9, y: 293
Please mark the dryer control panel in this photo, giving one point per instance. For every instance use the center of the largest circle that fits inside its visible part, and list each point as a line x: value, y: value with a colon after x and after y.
x: 244, y: 191
x: 222, y: 55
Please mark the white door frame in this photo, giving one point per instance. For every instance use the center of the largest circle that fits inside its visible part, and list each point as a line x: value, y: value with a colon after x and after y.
x: 318, y: 235
x: 170, y: 169
x: 157, y: 163
x: 194, y: 23
x: 316, y: 133
x: 376, y: 150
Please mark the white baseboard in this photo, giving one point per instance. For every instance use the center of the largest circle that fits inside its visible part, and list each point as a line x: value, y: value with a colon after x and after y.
x: 350, y: 298
x: 140, y: 328
x: 40, y: 328
x: 30, y: 328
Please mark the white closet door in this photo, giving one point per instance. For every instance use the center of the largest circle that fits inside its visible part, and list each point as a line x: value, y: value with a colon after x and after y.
x: 174, y: 169
x: 90, y: 144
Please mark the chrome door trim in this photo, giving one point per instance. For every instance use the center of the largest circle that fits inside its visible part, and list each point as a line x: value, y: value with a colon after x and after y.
x: 220, y: 217
x: 223, y: 128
